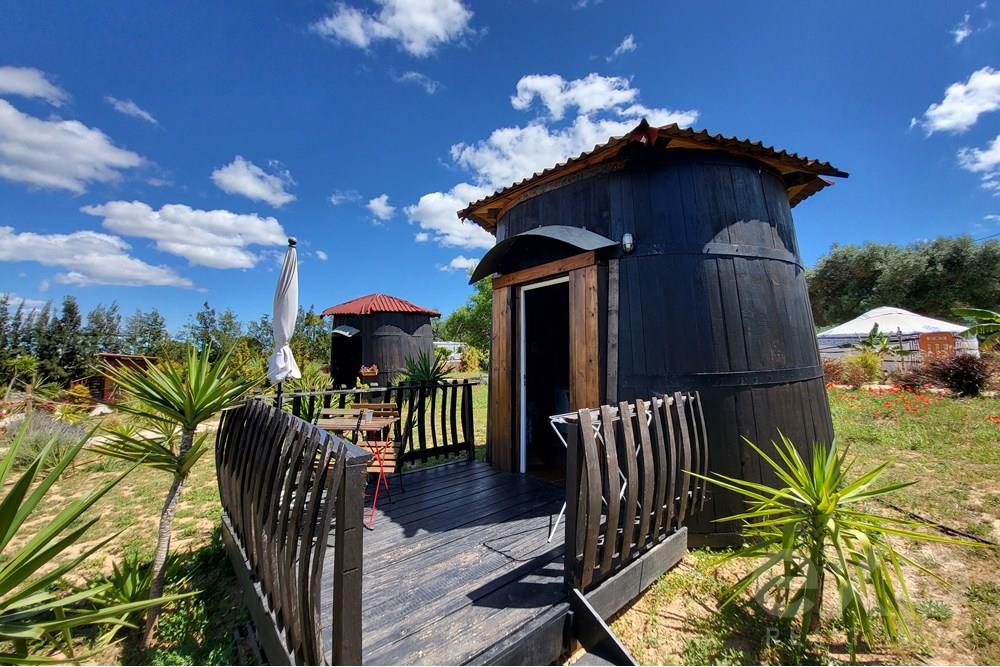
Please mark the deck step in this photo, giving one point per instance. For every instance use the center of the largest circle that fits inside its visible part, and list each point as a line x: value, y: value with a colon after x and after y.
x: 601, y: 645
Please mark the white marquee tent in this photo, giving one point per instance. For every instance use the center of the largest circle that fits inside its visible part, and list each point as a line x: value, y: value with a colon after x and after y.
x: 903, y: 328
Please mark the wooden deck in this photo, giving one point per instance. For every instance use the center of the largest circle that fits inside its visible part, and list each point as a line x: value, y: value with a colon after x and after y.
x: 458, y: 570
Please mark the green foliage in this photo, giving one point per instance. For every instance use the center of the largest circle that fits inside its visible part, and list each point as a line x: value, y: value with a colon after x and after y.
x: 424, y: 368
x: 442, y: 354
x: 987, y: 325
x: 815, y: 526
x: 473, y: 359
x: 934, y: 610
x: 862, y: 367
x: 472, y: 323
x: 963, y: 374
x: 34, y: 616
x: 103, y: 330
x: 880, y: 344
x: 145, y: 333
x: 130, y: 581
x: 930, y: 278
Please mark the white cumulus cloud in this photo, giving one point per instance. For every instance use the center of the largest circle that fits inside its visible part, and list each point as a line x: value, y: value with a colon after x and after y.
x: 219, y: 239
x: 130, y: 108
x: 321, y: 255
x: 460, y: 263
x: 963, y: 103
x: 58, y: 154
x: 419, y: 26
x: 242, y: 177
x: 30, y: 82
x: 380, y: 207
x: 604, y: 106
x: 89, y: 258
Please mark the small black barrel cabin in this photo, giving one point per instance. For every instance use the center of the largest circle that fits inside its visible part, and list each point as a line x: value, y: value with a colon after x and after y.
x: 377, y: 330
x: 663, y: 260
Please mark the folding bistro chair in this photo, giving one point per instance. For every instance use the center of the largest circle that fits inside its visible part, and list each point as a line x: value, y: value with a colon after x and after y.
x: 384, y: 448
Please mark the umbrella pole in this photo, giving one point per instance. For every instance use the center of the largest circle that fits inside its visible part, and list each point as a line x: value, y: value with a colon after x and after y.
x: 277, y: 397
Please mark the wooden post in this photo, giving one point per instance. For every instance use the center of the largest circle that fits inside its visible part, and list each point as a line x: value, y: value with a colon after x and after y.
x: 347, y: 571
x: 571, y: 550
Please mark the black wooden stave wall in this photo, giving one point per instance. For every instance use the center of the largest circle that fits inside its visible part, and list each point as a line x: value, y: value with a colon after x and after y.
x: 389, y: 339
x: 713, y: 299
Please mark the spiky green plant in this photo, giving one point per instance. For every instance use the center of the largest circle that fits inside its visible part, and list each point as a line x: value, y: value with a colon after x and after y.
x: 816, y: 526
x: 33, y: 614
x: 423, y: 368
x: 987, y: 325
x: 174, y: 400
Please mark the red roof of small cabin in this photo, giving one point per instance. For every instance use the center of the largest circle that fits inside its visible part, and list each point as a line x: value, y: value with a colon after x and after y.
x: 378, y: 303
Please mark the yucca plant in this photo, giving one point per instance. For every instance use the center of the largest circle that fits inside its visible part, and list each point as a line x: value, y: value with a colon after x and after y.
x: 173, y: 401
x: 130, y: 581
x: 987, y: 325
x: 424, y: 368
x: 33, y: 615
x: 817, y: 526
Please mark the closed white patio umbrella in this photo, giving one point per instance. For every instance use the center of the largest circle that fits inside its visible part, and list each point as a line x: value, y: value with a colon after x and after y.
x: 281, y: 364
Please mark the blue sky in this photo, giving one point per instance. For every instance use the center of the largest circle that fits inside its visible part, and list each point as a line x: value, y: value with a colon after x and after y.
x: 158, y: 154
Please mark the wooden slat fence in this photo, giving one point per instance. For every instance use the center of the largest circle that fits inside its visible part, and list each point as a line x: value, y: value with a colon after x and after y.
x: 627, y: 488
x: 436, y: 420
x: 283, y: 484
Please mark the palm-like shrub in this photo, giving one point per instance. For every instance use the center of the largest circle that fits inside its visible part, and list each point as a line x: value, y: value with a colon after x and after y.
x: 32, y: 614
x: 816, y: 528
x: 987, y: 325
x: 172, y: 401
x: 424, y: 368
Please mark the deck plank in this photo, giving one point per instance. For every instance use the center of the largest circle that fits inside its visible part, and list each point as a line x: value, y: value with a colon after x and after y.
x: 457, y: 563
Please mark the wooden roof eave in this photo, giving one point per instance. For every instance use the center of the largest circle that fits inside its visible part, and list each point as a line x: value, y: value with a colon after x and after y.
x: 802, y: 175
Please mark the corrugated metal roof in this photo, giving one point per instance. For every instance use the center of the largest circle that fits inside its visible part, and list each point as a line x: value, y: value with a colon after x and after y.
x: 378, y: 303
x: 488, y: 209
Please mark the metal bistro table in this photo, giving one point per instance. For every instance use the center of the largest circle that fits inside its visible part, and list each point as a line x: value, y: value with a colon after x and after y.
x: 378, y: 447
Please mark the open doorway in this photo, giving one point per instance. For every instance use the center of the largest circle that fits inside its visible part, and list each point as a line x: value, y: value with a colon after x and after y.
x: 345, y: 356
x: 544, y: 375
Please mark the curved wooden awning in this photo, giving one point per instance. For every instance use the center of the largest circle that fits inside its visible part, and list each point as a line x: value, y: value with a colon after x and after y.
x: 572, y: 240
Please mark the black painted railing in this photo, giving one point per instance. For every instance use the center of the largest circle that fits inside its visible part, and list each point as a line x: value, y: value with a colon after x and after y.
x: 627, y: 485
x: 436, y: 419
x: 283, y: 484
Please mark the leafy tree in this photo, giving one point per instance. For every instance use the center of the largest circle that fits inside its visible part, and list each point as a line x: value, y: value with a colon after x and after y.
x: 44, y: 342
x: 68, y: 335
x: 5, y: 342
x: 987, y: 325
x: 15, y: 332
x: 145, y: 333
x: 472, y: 322
x: 229, y: 330
x: 261, y: 331
x: 103, y: 330
x: 203, y: 331
x: 930, y: 278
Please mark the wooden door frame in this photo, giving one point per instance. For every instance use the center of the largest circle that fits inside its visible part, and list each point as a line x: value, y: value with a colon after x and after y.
x: 504, y: 426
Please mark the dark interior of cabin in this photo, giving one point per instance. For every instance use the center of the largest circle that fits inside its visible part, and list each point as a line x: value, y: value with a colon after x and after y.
x: 546, y: 377
x: 345, y: 359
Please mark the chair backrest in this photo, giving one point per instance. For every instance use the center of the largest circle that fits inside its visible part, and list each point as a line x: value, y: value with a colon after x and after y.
x: 330, y: 413
x: 379, y: 409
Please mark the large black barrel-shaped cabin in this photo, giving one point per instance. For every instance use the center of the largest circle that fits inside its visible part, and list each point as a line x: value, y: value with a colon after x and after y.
x: 662, y: 260
x: 377, y: 329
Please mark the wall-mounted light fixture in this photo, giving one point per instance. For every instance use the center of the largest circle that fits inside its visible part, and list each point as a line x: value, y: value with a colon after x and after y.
x: 628, y: 243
